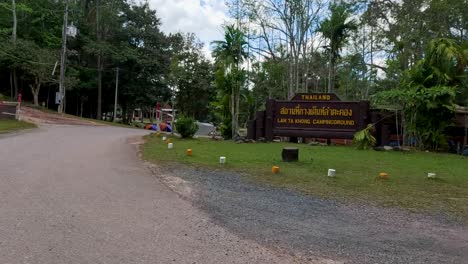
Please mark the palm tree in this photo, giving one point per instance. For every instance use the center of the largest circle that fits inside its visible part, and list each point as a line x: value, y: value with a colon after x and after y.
x: 336, y: 29
x: 446, y: 62
x: 229, y: 54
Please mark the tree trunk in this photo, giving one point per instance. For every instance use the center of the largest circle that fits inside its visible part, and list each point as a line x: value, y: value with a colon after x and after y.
x: 233, y: 114
x: 64, y: 101
x: 237, y: 110
x: 99, y: 102
x: 81, y: 107
x: 36, y: 98
x: 35, y: 91
x: 331, y: 80
x: 297, y: 74
x: 99, y: 62
x: 11, y: 85
x: 15, y: 83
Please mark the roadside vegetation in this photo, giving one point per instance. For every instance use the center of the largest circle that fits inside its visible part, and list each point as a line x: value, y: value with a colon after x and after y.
x: 357, y: 172
x: 14, y: 125
x: 414, y: 64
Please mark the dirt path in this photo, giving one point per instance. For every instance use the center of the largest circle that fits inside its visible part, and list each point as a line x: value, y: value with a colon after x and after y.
x: 79, y: 194
x: 43, y: 117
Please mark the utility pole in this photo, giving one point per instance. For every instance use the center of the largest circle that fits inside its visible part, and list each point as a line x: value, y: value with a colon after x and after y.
x: 15, y: 21
x: 99, y: 61
x: 62, y: 58
x: 13, y: 77
x: 116, y: 92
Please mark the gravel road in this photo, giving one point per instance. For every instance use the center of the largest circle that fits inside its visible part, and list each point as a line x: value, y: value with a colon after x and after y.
x: 344, y: 233
x: 80, y: 194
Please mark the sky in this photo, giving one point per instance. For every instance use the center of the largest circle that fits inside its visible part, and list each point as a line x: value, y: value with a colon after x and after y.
x: 202, y: 17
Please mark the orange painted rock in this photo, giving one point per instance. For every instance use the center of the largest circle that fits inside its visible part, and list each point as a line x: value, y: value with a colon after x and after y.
x: 383, y: 175
x: 189, y: 152
x: 275, y: 169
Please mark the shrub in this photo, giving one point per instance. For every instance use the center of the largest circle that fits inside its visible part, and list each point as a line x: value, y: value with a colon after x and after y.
x: 363, y: 139
x: 186, y: 126
x: 226, y: 128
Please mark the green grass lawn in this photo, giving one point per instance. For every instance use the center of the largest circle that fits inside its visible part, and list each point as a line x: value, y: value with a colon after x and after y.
x: 13, y: 125
x: 357, y: 171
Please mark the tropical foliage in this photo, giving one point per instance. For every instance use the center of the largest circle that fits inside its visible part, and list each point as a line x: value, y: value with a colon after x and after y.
x: 364, y: 139
x: 230, y: 76
x: 427, y: 93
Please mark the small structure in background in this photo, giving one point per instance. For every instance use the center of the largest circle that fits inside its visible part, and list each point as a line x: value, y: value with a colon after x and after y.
x: 9, y: 110
x: 72, y: 31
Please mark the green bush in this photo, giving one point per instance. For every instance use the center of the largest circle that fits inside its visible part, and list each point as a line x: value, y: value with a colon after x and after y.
x: 226, y: 128
x: 4, y: 97
x: 363, y: 139
x: 186, y: 126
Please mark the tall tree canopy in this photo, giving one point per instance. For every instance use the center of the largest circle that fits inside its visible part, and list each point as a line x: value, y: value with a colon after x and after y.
x: 112, y: 34
x: 229, y: 54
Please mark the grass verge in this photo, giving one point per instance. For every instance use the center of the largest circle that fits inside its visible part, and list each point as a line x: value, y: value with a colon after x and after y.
x: 407, y: 187
x: 14, y: 125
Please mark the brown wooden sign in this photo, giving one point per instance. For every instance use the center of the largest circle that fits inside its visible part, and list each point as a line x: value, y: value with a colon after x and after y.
x: 316, y: 97
x: 331, y: 119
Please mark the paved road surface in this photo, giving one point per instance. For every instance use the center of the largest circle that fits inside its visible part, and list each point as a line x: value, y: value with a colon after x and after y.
x: 76, y: 194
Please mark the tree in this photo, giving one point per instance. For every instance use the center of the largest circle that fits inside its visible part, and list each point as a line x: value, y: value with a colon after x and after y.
x: 39, y: 66
x: 427, y: 94
x: 336, y: 29
x: 284, y: 29
x: 145, y: 64
x: 14, y: 9
x: 192, y: 76
x: 103, y: 25
x: 229, y: 54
